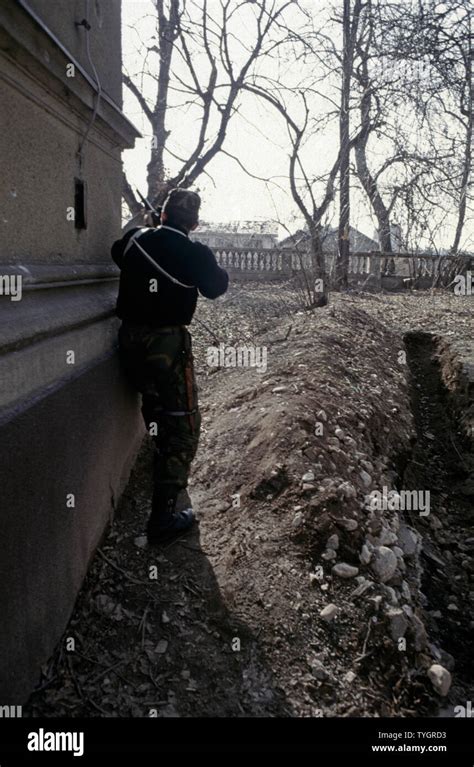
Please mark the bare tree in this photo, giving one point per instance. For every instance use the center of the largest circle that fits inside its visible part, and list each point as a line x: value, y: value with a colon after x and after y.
x: 197, y: 63
x: 428, y: 49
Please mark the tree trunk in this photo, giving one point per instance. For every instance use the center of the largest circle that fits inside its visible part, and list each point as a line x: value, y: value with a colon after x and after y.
x: 467, y: 160
x: 342, y: 261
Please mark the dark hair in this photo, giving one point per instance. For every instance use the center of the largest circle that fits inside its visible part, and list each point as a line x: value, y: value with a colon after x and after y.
x: 182, y: 208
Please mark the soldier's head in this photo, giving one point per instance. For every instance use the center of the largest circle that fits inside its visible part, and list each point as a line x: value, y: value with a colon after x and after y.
x: 181, y: 209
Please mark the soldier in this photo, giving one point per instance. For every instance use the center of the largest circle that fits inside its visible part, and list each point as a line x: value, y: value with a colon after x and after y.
x: 162, y: 271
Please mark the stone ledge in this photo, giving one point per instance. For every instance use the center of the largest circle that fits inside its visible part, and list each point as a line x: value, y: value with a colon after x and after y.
x: 55, y: 299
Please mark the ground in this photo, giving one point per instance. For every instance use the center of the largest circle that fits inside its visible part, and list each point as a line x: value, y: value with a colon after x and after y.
x: 246, y: 615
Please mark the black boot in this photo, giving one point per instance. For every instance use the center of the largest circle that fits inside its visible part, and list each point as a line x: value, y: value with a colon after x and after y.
x: 165, y: 523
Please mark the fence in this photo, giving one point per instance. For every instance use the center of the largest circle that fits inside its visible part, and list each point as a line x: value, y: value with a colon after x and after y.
x: 377, y: 270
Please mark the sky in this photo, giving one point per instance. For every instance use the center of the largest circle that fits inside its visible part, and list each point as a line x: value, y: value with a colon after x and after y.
x: 257, y: 136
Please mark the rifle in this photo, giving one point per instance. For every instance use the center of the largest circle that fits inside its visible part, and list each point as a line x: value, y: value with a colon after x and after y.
x: 154, y: 212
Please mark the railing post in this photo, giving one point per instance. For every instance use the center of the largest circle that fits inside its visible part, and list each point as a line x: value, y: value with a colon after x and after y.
x: 375, y: 263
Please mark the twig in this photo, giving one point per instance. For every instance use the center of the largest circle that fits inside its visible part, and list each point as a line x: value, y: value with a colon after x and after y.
x: 105, y: 671
x: 364, y: 646
x: 75, y: 681
x: 130, y: 578
x: 143, y: 623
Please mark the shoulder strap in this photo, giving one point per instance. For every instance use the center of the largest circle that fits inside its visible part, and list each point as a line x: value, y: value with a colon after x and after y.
x: 134, y: 241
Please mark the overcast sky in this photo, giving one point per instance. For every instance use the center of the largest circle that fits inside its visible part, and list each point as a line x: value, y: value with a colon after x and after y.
x: 257, y: 136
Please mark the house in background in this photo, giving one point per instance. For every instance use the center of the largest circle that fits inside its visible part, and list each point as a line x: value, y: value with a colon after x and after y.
x: 69, y: 426
x: 359, y: 242
x: 258, y: 235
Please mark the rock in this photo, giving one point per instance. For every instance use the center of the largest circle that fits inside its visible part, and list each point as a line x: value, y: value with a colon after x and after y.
x: 162, y: 646
x: 329, y: 612
x: 365, y: 555
x: 434, y: 522
x: 351, y: 443
x: 279, y: 389
x: 297, y: 519
x: 339, y: 433
x: 308, y: 477
x: 398, y: 622
x: 390, y: 595
x: 387, y: 537
x: 406, y: 593
x: 361, y: 588
x: 376, y: 601
x: 318, y: 671
x: 329, y: 555
x: 349, y: 677
x: 333, y: 542
x: 347, y: 490
x: 343, y: 570
x: 407, y: 540
x: 348, y: 524
x: 440, y: 678
x: 384, y: 564
x: 141, y: 541
x: 366, y: 478
x: 443, y: 657
x: 419, y: 631
x: 398, y: 552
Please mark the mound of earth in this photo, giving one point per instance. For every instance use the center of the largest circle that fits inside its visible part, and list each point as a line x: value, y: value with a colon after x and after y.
x: 297, y: 595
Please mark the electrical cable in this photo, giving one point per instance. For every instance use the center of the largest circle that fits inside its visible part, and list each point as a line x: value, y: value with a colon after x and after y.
x: 84, y: 23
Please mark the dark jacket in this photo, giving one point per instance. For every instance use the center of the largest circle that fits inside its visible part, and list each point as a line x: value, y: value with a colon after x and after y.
x: 189, y: 262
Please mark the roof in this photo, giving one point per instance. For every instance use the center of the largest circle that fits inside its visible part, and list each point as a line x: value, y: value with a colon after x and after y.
x: 240, y: 227
x: 329, y: 236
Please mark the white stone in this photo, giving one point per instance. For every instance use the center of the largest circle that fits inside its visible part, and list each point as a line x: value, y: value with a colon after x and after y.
x: 398, y: 622
x: 343, y: 570
x: 440, y: 678
x: 348, y: 524
x: 365, y: 555
x: 329, y: 612
x: 407, y: 540
x: 384, y: 564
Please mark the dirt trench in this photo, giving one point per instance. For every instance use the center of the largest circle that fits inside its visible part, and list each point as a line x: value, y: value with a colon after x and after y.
x: 441, y: 462
x: 232, y: 622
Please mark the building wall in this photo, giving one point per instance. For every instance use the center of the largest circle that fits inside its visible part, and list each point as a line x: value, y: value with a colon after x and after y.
x: 105, y: 45
x: 69, y: 426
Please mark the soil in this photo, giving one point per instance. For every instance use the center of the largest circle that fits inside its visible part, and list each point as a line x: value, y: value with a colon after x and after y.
x: 227, y: 621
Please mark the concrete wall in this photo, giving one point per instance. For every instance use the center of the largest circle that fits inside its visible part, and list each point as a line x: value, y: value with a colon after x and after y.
x: 68, y: 423
x: 105, y: 42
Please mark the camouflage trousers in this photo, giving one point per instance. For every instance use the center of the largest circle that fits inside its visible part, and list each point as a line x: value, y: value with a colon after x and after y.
x: 158, y: 362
